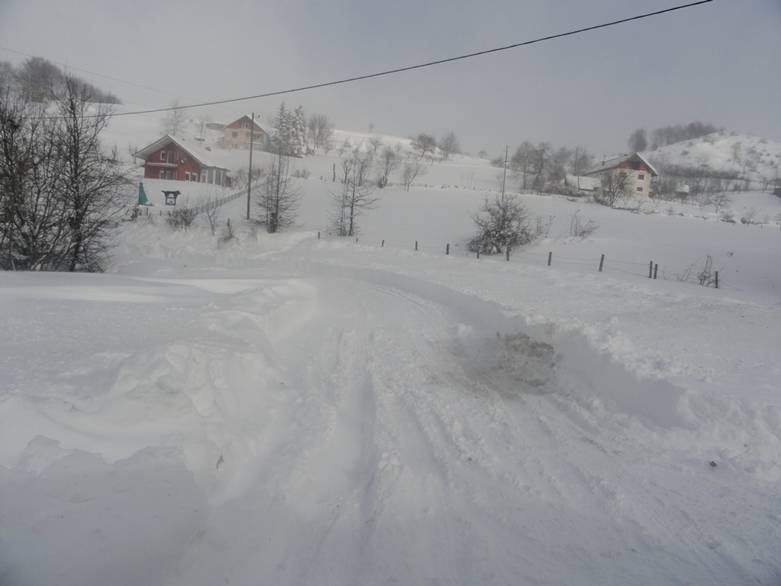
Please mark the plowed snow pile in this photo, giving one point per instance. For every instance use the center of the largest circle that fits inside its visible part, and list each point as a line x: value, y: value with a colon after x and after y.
x: 299, y: 411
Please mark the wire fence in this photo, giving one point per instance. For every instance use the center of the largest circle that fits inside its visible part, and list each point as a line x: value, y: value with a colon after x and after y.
x: 599, y: 264
x: 210, y: 204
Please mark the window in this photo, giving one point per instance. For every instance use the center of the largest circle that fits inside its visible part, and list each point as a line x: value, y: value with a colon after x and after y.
x: 639, y: 189
x: 187, y: 176
x: 163, y: 156
x: 162, y: 173
x: 641, y: 177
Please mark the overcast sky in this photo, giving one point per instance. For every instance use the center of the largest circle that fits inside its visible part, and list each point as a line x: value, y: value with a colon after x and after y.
x: 718, y: 63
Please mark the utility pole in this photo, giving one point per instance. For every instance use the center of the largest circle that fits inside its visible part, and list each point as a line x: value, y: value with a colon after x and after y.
x: 504, y: 176
x: 249, y: 175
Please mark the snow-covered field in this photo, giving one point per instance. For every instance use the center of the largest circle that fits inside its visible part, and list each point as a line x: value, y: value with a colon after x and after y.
x: 288, y: 410
x: 292, y: 410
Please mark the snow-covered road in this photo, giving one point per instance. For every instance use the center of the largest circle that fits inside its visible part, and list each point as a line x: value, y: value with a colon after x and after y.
x: 312, y: 423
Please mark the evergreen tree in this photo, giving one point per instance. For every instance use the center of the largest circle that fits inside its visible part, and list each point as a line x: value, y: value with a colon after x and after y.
x: 299, y: 132
x: 281, y: 139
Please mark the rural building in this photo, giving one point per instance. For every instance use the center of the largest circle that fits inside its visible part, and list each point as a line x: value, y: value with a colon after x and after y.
x: 638, y: 170
x: 582, y: 183
x: 170, y: 158
x: 236, y: 135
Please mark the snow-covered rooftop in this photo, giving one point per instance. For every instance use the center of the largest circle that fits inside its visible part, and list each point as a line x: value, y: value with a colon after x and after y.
x: 614, y: 162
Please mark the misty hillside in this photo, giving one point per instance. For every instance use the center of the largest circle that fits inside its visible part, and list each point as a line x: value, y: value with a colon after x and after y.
x: 743, y: 155
x: 38, y: 80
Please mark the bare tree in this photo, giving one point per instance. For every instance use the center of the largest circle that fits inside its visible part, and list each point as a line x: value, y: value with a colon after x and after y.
x: 559, y: 161
x: 540, y: 160
x: 638, y: 141
x: 413, y: 167
x: 320, y: 131
x: 581, y: 161
x: 389, y: 162
x: 38, y: 79
x: 212, y: 214
x: 449, y: 145
x: 522, y: 161
x: 174, y: 120
x: 7, y: 76
x: 279, y: 195
x: 91, y: 181
x: 32, y: 227
x: 60, y: 193
x: 355, y: 197
x: 424, y: 144
x: 613, y: 188
x: 375, y: 142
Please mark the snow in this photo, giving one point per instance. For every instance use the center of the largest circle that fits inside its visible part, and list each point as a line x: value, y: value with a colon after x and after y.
x: 757, y: 157
x: 283, y: 409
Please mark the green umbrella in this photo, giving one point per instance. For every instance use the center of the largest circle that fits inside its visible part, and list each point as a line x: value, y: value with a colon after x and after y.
x: 142, y: 199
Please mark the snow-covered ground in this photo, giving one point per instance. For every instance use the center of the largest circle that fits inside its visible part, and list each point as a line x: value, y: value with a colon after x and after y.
x: 288, y: 410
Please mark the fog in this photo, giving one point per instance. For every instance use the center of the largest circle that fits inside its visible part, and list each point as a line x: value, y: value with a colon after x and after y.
x: 717, y: 62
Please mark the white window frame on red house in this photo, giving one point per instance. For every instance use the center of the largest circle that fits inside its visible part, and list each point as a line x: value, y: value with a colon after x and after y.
x: 163, y: 156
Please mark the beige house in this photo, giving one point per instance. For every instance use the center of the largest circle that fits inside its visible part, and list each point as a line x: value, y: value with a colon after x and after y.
x: 635, y: 168
x: 237, y: 134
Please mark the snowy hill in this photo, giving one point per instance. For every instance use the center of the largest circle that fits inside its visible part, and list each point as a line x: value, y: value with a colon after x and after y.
x: 744, y: 155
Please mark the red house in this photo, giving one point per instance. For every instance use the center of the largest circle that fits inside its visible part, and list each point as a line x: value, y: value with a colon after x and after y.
x: 170, y: 158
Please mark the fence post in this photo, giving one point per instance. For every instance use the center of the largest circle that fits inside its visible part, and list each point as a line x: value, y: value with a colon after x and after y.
x: 651, y: 270
x: 382, y: 244
x: 356, y: 240
x: 601, y: 262
x: 717, y: 279
x: 550, y: 257
x: 478, y: 254
x: 416, y: 245
x: 447, y: 248
x: 656, y: 270
x: 318, y: 234
x: 507, y: 254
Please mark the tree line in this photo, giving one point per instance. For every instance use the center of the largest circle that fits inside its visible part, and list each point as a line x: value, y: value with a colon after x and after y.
x: 640, y: 140
x: 39, y: 80
x: 543, y: 167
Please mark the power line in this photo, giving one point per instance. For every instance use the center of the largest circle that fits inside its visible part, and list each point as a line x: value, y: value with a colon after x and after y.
x: 103, y: 75
x: 416, y: 66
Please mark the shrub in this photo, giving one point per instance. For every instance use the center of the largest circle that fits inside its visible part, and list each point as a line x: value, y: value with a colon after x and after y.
x: 580, y: 229
x: 501, y: 224
x: 182, y: 218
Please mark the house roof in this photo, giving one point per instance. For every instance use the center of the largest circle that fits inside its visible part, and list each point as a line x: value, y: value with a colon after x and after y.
x: 614, y: 162
x: 202, y: 156
x: 236, y: 123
